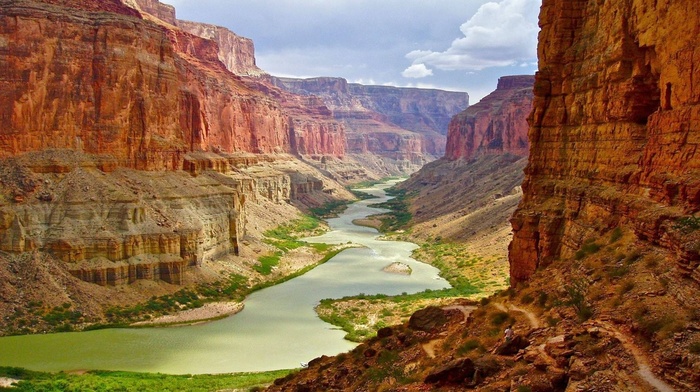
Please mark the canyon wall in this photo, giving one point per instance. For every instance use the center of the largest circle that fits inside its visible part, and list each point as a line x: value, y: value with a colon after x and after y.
x: 398, y: 123
x: 143, y: 92
x: 495, y: 125
x: 236, y: 52
x: 614, y: 131
x: 93, y: 88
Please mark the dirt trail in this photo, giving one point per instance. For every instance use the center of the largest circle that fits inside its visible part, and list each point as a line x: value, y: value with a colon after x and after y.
x: 429, y: 347
x: 644, y: 369
x: 466, y: 310
x: 531, y: 317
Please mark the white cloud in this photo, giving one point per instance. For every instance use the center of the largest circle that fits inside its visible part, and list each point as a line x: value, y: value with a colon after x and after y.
x: 417, y: 71
x: 499, y: 34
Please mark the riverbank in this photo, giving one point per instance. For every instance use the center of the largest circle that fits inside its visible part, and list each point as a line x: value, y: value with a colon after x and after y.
x: 207, y: 312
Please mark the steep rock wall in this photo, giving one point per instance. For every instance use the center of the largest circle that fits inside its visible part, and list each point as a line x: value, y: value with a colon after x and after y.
x: 104, y: 83
x: 370, y: 113
x: 236, y: 52
x: 615, y: 130
x: 495, y: 125
x: 118, y: 227
x: 115, y: 84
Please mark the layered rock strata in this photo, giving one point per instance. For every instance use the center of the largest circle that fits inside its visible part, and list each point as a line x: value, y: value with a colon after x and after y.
x: 495, y: 125
x: 403, y: 124
x: 117, y: 227
x: 143, y: 92
x: 615, y: 131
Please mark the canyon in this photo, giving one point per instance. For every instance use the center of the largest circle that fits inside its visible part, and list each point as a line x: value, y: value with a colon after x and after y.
x: 139, y: 151
x: 151, y: 153
x: 604, y: 257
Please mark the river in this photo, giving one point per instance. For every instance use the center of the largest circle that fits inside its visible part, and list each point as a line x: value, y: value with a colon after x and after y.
x: 278, y: 329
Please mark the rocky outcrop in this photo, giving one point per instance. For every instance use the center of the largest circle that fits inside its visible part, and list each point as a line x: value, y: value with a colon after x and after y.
x: 495, y: 125
x: 614, y: 131
x: 119, y: 227
x: 399, y: 123
x: 236, y: 52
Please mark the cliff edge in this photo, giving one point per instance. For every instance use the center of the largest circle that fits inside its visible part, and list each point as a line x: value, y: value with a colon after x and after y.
x: 615, y: 131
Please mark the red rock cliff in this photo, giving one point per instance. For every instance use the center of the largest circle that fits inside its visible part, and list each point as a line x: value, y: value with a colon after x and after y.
x: 236, y: 52
x: 112, y: 83
x: 615, y: 129
x: 388, y: 121
x: 497, y: 124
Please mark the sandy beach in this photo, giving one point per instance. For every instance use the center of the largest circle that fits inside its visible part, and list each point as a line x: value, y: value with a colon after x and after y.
x: 209, y: 311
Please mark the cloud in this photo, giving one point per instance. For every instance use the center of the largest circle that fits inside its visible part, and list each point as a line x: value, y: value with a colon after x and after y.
x: 499, y: 34
x: 417, y: 71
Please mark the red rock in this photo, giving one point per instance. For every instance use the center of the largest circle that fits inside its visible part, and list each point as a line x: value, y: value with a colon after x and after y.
x: 614, y: 131
x: 399, y: 123
x: 497, y: 124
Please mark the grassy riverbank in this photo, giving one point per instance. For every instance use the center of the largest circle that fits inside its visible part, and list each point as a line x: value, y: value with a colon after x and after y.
x: 27, y: 380
x: 472, y: 275
x: 268, y: 272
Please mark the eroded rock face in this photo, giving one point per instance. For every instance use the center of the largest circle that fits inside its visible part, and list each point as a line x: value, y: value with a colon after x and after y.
x: 615, y: 129
x: 236, y: 52
x: 142, y: 90
x: 495, y: 125
x: 96, y: 82
x: 117, y: 227
x: 400, y: 123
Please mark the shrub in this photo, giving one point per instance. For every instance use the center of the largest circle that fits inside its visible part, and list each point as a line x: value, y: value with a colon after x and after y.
x: 499, y: 318
x: 687, y: 224
x: 694, y: 347
x: 615, y: 235
x: 626, y: 287
x: 469, y: 345
x: 576, y: 297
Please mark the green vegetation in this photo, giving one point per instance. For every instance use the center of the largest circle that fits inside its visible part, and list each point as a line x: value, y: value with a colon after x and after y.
x: 399, y: 216
x: 330, y: 209
x: 267, y: 262
x: 576, y: 298
x: 469, y: 276
x: 128, y: 381
x: 286, y: 238
x: 688, y: 224
x: 615, y: 235
x: 589, y: 247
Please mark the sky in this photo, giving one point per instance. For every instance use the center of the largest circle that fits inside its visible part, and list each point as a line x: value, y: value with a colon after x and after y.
x: 456, y: 45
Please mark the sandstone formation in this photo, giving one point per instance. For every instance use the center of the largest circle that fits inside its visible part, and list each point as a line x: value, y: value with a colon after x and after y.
x: 143, y: 90
x: 235, y: 52
x: 91, y: 88
x: 405, y: 125
x: 615, y: 131
x: 495, y: 125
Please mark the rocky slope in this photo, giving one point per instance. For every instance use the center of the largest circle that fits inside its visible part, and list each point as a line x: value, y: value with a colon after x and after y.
x: 469, y: 195
x: 497, y: 124
x: 401, y: 124
x: 604, y: 260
